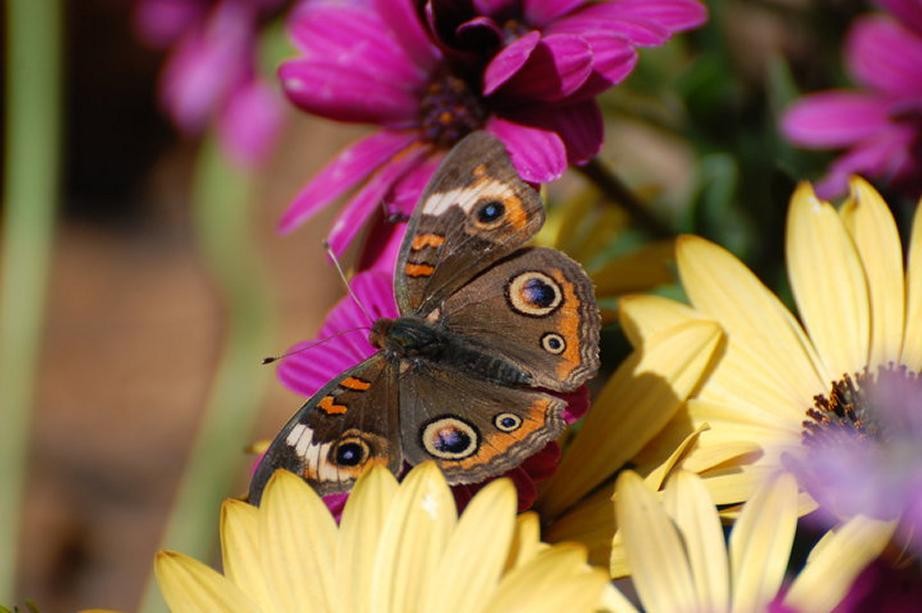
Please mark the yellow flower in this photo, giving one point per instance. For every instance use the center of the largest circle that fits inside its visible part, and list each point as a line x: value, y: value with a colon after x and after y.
x: 680, y: 561
x: 398, y: 548
x: 858, y: 310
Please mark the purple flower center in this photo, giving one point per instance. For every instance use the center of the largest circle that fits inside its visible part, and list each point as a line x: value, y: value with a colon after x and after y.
x: 449, y: 111
x: 869, y: 405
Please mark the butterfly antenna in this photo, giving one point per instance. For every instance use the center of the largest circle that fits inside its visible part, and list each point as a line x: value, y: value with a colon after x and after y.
x: 275, y: 358
x: 345, y: 281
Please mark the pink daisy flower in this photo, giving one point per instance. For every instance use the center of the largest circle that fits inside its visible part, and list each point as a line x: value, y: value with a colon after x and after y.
x: 210, y: 75
x: 880, y: 125
x: 345, y: 343
x: 379, y: 64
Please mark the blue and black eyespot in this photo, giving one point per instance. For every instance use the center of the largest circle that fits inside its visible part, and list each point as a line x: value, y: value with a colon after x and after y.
x: 351, y: 452
x: 490, y: 211
x: 507, y: 422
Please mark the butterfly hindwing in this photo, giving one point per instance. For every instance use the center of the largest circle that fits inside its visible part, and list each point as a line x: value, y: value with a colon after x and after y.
x: 536, y: 309
x: 350, y: 424
x: 475, y: 211
x: 472, y: 428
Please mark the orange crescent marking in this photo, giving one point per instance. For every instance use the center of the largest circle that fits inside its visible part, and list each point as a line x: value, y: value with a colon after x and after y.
x: 329, y: 407
x: 421, y: 241
x: 354, y: 383
x: 419, y: 270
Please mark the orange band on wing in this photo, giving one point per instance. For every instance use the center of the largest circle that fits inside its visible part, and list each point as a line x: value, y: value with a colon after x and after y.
x: 328, y: 406
x: 354, y: 383
x: 418, y: 270
x: 421, y: 241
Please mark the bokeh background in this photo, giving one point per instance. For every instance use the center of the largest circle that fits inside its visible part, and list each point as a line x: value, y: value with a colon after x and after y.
x: 135, y: 325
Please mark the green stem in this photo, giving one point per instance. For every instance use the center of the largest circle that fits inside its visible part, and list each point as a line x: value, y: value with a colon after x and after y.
x: 224, y: 230
x: 615, y: 189
x: 33, y: 35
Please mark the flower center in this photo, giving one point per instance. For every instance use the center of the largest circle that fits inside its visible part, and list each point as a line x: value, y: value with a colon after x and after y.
x: 449, y: 111
x: 868, y: 405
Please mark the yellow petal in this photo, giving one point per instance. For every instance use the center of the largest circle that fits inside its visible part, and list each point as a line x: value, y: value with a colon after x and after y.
x: 644, y: 316
x: 639, y: 399
x: 189, y: 586
x: 874, y: 233
x: 760, y: 543
x: 476, y: 551
x: 639, y: 270
x: 359, y: 530
x: 723, y: 289
x: 654, y: 548
x: 614, y: 601
x: 912, y: 339
x: 297, y: 539
x: 556, y: 579
x: 829, y: 573
x: 413, y: 539
x: 240, y: 550
x: 591, y: 523
x: 526, y: 540
x: 648, y: 462
x: 828, y: 283
x: 687, y: 501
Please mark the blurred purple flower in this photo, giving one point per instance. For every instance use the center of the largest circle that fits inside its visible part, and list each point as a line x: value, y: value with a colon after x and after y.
x: 211, y: 75
x: 879, y: 125
x: 378, y: 63
x: 870, y: 461
x: 344, y: 338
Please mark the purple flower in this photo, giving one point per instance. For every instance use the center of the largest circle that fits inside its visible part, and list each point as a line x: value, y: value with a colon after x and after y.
x: 343, y: 343
x: 869, y: 460
x: 534, y: 89
x: 880, y: 125
x: 211, y: 73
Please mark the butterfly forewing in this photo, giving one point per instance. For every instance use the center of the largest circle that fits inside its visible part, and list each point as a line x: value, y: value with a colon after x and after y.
x: 475, y: 211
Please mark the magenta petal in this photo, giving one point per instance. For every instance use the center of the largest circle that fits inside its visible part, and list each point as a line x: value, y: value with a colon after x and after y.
x: 577, y: 404
x: 508, y: 62
x: 579, y: 125
x: 557, y: 67
x: 353, y: 217
x: 250, y: 123
x: 494, y: 7
x: 342, y: 93
x: 613, y: 59
x: 909, y: 12
x: 160, y: 22
x: 538, y: 154
x: 542, y: 465
x: 404, y: 22
x: 348, y: 168
x: 354, y: 38
x: 883, y: 157
x: 344, y: 344
x: 886, y: 56
x: 407, y: 191
x: 585, y: 21
x: 673, y: 15
x: 542, y: 12
x: 834, y: 119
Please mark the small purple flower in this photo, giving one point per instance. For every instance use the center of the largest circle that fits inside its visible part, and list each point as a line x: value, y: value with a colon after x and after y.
x: 379, y: 63
x: 879, y: 125
x: 343, y: 343
x: 211, y: 73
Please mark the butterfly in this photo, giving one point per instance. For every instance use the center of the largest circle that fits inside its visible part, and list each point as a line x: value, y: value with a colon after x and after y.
x: 487, y: 328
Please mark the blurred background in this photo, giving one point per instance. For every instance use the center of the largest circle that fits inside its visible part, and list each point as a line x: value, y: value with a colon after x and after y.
x: 135, y: 324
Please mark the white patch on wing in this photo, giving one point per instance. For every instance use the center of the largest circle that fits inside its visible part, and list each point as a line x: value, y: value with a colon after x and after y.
x: 464, y: 197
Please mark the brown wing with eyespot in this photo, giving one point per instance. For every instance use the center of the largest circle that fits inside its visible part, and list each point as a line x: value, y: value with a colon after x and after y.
x: 473, y: 429
x: 475, y: 211
x: 536, y: 309
x: 346, y: 427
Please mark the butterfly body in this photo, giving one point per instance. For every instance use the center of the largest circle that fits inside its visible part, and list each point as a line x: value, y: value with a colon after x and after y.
x: 416, y: 344
x: 488, y: 331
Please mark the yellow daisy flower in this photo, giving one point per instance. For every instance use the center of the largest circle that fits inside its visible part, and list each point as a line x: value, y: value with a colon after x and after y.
x: 398, y: 548
x: 680, y: 562
x: 781, y: 381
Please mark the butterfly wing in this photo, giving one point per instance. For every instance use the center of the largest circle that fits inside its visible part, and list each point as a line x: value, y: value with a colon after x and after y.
x: 473, y: 429
x: 535, y: 309
x: 350, y: 424
x: 475, y: 211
